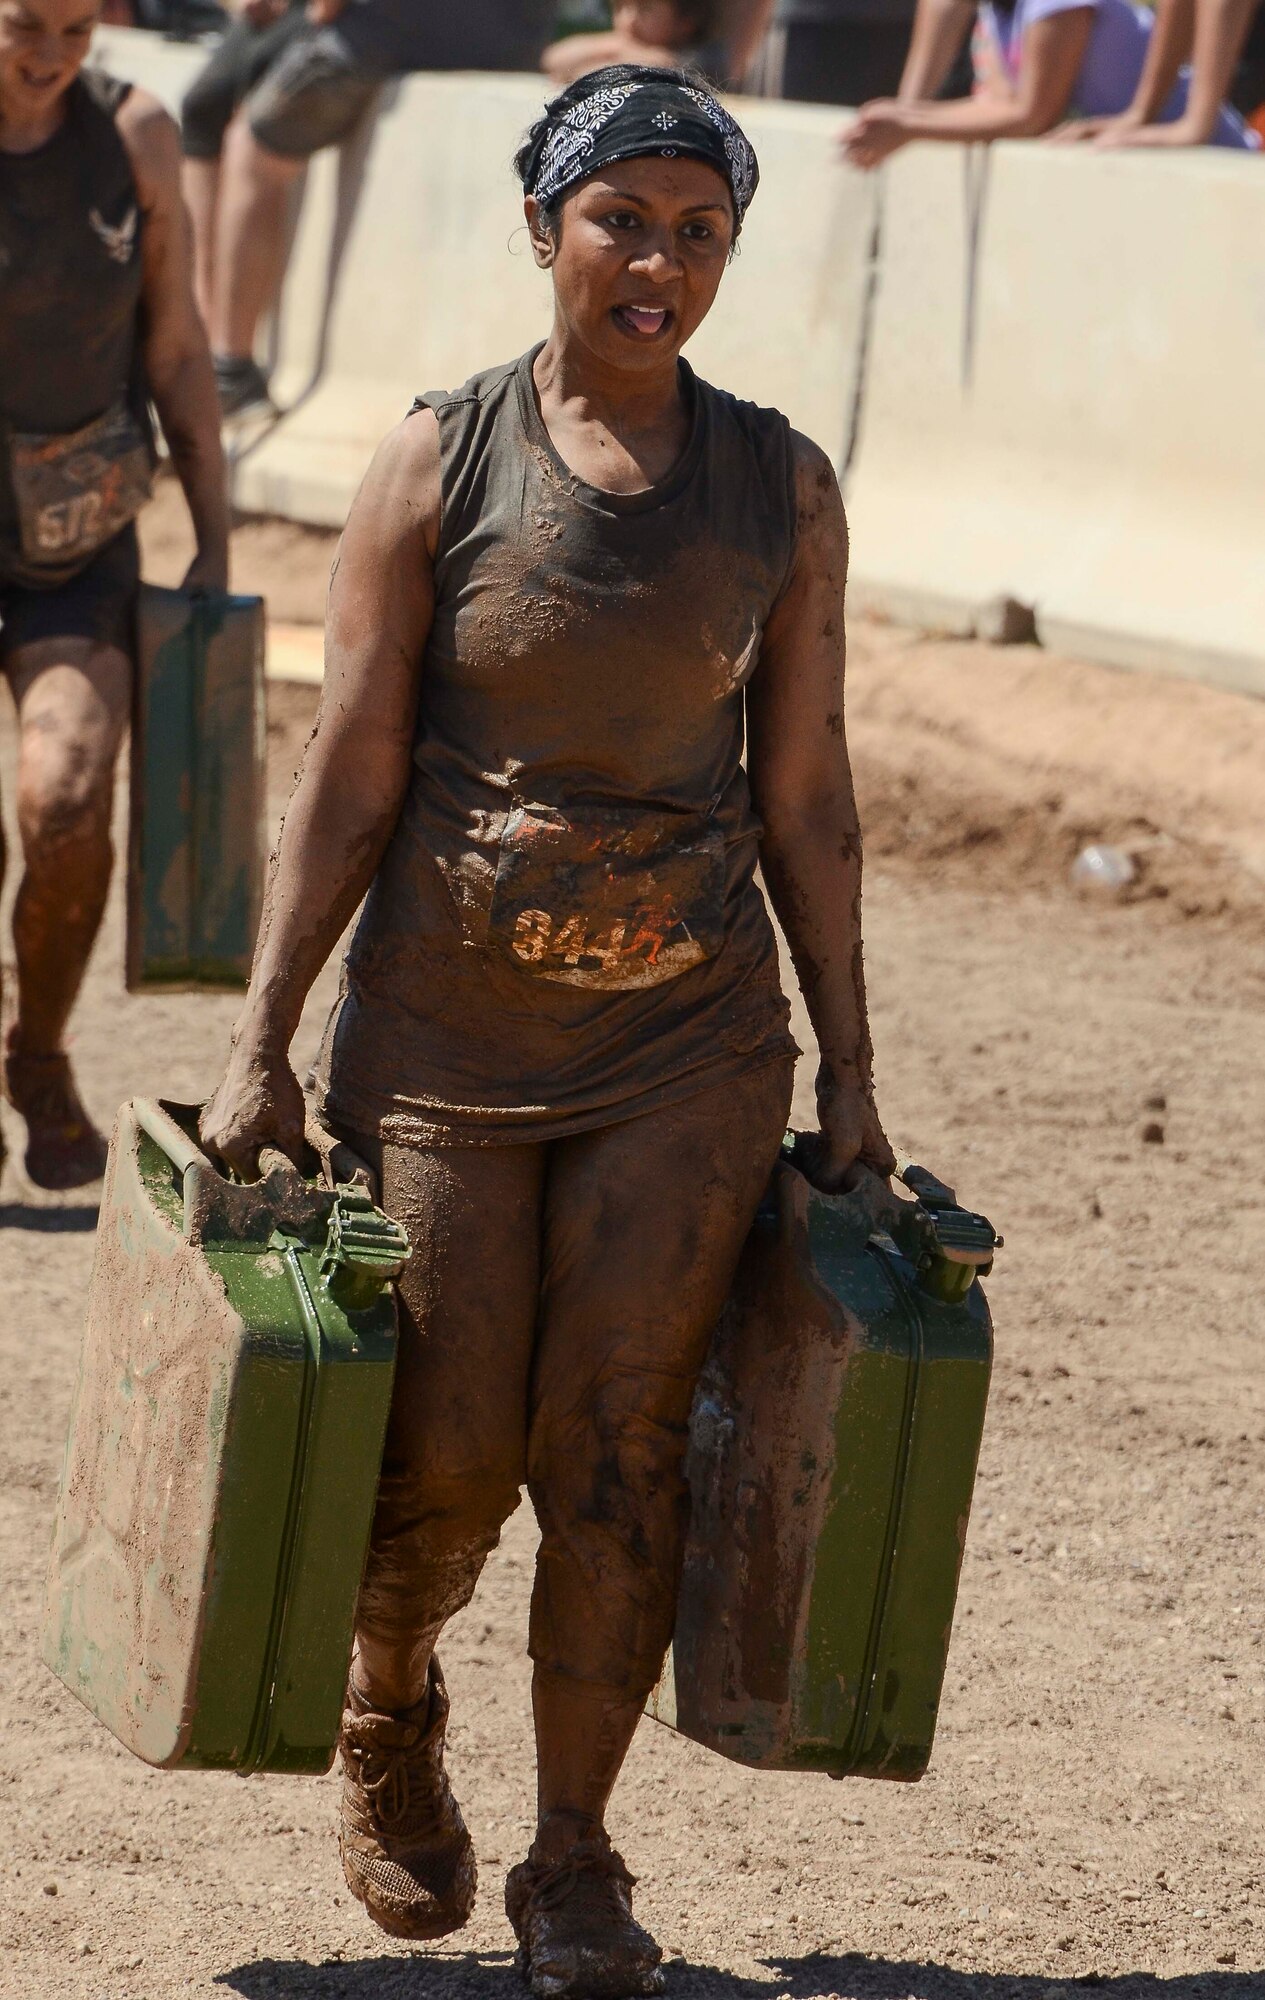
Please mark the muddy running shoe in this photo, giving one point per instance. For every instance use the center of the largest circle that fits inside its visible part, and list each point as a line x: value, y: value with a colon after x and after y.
x: 577, y: 1937
x: 63, y: 1147
x: 404, y: 1846
x: 242, y: 387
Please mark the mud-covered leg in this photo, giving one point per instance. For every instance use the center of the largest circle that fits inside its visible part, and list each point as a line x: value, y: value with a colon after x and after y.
x: 72, y: 696
x: 452, y: 1470
x: 643, y: 1226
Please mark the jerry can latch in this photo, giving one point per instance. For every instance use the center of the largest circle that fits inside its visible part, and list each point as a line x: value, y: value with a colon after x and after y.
x: 957, y: 1245
x: 364, y: 1249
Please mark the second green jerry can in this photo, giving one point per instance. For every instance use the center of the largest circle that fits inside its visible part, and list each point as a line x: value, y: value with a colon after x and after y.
x: 224, y: 1451
x: 196, y: 844
x: 833, y: 1449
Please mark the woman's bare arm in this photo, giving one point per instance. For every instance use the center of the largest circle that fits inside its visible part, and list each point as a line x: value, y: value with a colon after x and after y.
x: 354, y: 778
x: 1053, y: 51
x: 939, y: 30
x: 1220, y: 30
x: 801, y: 783
x: 1166, y: 51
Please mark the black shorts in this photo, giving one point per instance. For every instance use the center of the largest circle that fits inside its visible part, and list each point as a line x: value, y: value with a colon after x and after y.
x: 242, y: 60
x: 312, y: 96
x: 98, y: 604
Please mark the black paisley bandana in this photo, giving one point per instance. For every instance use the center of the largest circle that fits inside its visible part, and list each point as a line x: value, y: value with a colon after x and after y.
x: 630, y: 113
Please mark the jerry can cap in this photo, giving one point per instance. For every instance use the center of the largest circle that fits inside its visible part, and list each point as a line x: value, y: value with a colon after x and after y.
x: 948, y: 1245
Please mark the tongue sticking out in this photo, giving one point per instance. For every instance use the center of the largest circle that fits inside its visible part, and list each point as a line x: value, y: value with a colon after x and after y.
x: 644, y: 319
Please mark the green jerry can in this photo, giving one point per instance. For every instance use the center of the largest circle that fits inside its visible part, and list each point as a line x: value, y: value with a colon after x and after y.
x: 196, y: 848
x: 224, y: 1450
x: 833, y: 1447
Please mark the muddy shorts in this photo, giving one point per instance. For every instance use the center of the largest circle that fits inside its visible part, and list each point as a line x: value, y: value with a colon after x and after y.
x: 98, y: 604
x: 313, y: 95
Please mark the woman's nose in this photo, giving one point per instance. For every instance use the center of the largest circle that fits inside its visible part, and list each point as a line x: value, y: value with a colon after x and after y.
x: 658, y: 261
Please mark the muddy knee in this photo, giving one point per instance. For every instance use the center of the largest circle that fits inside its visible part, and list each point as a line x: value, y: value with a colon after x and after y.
x: 65, y: 793
x: 431, y: 1538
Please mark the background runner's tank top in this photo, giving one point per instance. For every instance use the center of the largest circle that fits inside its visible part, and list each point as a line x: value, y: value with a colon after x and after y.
x: 566, y: 927
x: 70, y: 282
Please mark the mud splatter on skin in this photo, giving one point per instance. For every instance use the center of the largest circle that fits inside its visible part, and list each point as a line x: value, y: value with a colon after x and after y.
x: 811, y: 856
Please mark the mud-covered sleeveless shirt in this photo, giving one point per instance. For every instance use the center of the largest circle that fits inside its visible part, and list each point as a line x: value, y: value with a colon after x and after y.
x: 566, y: 928
x: 74, y: 435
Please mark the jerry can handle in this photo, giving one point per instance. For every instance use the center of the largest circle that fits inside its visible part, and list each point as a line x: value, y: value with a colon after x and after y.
x: 932, y: 1192
x: 159, y: 1125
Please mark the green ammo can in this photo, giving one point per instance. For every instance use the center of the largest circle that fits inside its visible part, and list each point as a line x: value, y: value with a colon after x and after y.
x: 224, y: 1451
x: 833, y: 1448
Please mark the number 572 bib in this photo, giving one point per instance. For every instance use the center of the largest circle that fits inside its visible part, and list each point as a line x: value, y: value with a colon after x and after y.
x: 609, y: 900
x: 75, y: 492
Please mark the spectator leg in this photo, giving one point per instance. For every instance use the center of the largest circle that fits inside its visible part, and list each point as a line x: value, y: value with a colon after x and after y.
x: 250, y: 239
x: 200, y: 182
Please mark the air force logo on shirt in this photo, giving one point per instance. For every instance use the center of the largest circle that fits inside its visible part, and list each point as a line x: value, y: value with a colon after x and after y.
x: 119, y: 242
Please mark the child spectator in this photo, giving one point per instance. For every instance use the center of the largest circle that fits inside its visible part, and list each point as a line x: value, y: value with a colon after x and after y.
x: 667, y: 33
x: 1212, y: 34
x: 1037, y: 63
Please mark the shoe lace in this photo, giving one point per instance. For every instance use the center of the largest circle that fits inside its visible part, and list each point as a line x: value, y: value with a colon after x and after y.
x: 400, y: 1789
x: 589, y: 1864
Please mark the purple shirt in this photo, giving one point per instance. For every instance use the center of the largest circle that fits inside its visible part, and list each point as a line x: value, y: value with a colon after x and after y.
x: 1113, y: 60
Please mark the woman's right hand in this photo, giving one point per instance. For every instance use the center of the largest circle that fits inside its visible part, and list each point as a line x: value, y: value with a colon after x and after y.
x: 259, y: 1103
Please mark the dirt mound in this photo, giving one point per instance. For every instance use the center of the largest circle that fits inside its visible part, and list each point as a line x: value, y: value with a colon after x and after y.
x: 999, y: 766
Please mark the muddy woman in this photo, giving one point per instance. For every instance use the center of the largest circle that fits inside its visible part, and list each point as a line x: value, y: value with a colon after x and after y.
x: 563, y: 592
x: 96, y: 318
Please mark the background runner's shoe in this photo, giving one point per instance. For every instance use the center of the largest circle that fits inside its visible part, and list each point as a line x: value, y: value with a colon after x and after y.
x: 63, y: 1147
x: 242, y: 387
x: 405, y: 1850
x: 577, y: 1937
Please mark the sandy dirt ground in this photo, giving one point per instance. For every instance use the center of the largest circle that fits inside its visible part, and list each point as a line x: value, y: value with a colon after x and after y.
x: 1095, y: 1811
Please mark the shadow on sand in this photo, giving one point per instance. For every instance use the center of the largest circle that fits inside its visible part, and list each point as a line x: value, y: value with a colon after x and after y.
x: 73, y: 1220
x: 491, y: 1976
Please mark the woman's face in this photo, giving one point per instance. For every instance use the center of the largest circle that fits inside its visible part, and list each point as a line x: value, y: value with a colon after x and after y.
x: 636, y: 261
x: 42, y: 48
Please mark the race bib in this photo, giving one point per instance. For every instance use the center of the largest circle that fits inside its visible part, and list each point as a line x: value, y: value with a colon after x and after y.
x: 594, y: 898
x: 76, y: 491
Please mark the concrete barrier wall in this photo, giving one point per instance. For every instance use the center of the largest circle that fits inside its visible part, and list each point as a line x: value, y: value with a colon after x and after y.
x: 1066, y: 399
x: 1059, y: 378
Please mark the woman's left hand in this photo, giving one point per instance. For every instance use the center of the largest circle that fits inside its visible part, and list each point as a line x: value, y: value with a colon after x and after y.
x: 208, y: 570
x: 877, y: 131
x: 851, y: 1135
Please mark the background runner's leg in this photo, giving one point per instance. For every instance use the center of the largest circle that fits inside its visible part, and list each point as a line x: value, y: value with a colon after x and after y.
x: 73, y: 697
x: 455, y: 1455
x: 644, y: 1222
